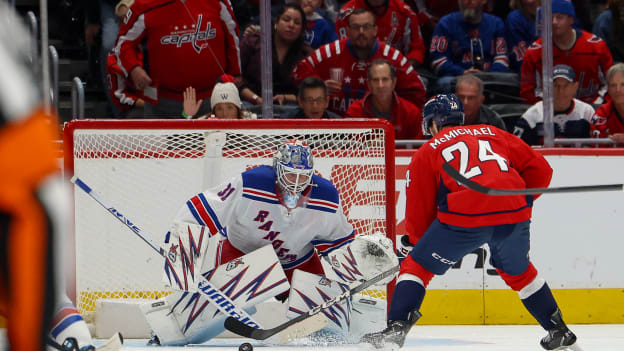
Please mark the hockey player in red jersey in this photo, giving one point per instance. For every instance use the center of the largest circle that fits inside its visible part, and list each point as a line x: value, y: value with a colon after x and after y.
x: 353, y: 55
x: 397, y: 23
x: 188, y: 43
x: 448, y: 221
x: 585, y: 52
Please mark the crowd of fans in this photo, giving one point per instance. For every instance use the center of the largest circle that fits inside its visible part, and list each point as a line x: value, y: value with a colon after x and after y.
x: 366, y: 58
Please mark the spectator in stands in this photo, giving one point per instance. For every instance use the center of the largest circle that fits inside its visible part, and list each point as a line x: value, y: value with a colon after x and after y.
x: 102, y: 21
x: 610, y: 27
x: 520, y: 30
x: 318, y: 30
x: 383, y: 102
x: 225, y: 102
x: 469, y: 89
x: 121, y: 91
x: 609, y: 118
x: 289, y: 48
x: 583, y: 51
x: 396, y: 22
x: 189, y: 42
x: 313, y: 100
x: 343, y: 65
x: 571, y: 116
x: 467, y: 41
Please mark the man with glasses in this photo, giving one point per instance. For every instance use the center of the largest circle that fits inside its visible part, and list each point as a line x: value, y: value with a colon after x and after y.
x: 398, y: 26
x: 343, y: 65
x: 313, y: 101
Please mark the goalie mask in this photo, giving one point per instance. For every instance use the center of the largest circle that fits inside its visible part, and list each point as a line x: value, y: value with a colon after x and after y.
x: 443, y: 109
x: 294, y: 166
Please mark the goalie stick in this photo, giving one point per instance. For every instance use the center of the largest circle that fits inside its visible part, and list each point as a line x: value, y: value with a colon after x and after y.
x: 221, y: 301
x: 235, y: 326
x: 453, y: 173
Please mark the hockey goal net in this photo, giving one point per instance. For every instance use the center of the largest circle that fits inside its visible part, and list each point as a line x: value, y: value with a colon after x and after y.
x: 147, y: 169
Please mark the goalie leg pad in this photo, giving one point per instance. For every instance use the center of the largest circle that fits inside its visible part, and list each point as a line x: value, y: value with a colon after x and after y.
x: 368, y: 315
x: 186, y: 317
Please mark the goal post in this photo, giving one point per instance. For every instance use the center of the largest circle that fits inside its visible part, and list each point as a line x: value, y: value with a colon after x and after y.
x: 148, y: 169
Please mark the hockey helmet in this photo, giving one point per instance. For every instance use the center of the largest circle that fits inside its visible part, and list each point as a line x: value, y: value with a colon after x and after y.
x: 294, y: 165
x: 444, y: 109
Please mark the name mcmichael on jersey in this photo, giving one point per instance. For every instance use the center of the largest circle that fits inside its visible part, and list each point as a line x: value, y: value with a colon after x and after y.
x: 457, y: 132
x: 194, y: 36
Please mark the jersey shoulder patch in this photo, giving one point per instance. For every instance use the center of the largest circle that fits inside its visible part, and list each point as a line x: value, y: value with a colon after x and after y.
x: 259, y: 184
x: 324, y: 196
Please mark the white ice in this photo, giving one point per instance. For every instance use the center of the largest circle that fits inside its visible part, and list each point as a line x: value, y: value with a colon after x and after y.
x: 594, y: 337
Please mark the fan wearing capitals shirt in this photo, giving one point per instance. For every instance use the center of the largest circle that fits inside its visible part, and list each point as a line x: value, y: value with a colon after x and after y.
x: 586, y: 53
x: 609, y: 118
x: 397, y: 24
x: 352, y: 56
x: 468, y: 41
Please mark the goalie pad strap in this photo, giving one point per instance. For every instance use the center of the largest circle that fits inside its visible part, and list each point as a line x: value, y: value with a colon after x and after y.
x: 409, y: 266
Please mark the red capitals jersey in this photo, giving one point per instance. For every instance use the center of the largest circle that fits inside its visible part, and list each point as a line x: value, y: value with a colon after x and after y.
x: 189, y: 43
x: 397, y: 26
x: 484, y: 154
x: 589, y: 57
x: 338, y: 55
x: 606, y: 121
x: 405, y: 116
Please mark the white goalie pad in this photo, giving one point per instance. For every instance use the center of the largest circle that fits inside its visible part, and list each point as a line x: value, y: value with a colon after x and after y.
x: 311, y: 290
x: 183, y: 317
x: 368, y: 315
x: 190, y: 251
x: 366, y: 257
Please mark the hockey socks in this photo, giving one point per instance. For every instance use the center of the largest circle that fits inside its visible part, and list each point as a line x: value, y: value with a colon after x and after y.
x: 408, y: 296
x: 541, y: 304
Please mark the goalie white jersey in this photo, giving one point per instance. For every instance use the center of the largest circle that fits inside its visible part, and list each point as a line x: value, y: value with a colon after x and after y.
x: 247, y: 211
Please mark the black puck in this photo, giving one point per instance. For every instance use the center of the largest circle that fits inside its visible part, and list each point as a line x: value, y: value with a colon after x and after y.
x: 245, y: 347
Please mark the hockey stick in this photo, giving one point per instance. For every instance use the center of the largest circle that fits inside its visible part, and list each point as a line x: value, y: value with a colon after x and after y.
x: 529, y: 191
x: 235, y: 326
x: 221, y: 301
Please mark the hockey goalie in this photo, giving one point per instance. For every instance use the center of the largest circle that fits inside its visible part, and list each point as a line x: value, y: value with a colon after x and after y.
x: 261, y: 235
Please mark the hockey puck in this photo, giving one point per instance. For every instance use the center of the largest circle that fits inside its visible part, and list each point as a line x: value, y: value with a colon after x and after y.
x: 245, y: 347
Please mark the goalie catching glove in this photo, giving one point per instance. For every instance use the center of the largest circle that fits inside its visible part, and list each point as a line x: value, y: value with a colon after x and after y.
x: 365, y: 257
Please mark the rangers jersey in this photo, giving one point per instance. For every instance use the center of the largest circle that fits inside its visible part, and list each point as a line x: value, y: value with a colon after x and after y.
x: 248, y: 212
x: 589, y: 57
x: 397, y: 26
x: 189, y: 43
x: 484, y: 154
x: 457, y: 45
x: 570, y: 123
x: 606, y: 121
x: 318, y: 31
x: 339, y: 55
x: 520, y: 34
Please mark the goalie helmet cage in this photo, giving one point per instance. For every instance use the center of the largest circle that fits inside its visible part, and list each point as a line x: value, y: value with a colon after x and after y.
x: 149, y: 168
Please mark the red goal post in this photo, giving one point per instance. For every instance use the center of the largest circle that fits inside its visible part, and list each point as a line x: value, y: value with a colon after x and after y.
x: 148, y: 168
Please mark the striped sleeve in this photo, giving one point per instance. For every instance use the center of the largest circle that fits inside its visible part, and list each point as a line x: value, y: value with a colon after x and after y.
x: 231, y: 37
x: 131, y: 33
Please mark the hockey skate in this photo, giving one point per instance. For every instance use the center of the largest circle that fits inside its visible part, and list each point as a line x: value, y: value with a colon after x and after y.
x: 395, y: 333
x: 559, y: 337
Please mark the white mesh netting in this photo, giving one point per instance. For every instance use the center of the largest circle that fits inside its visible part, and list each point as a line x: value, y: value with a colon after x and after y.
x: 148, y: 174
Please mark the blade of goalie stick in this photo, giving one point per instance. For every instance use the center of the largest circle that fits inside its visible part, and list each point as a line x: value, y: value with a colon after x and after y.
x: 221, y: 301
x: 453, y: 173
x: 237, y: 327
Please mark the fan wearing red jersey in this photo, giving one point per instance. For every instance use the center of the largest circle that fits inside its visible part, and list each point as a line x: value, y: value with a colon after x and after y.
x: 609, y: 118
x: 585, y: 52
x: 447, y: 221
x: 351, y: 56
x: 397, y: 23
